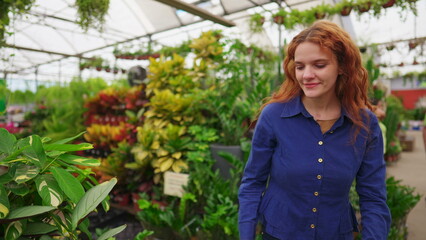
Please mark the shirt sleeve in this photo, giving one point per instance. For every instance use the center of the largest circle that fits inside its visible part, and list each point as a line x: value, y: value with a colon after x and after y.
x: 255, y: 176
x: 371, y: 187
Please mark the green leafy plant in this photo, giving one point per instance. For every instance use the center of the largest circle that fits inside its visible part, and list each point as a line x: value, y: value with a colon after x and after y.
x: 64, y: 103
x: 43, y: 192
x: 256, y: 22
x: 17, y: 7
x: 91, y: 13
x: 394, y: 113
x: 209, y: 207
x: 401, y: 199
x: 242, y: 81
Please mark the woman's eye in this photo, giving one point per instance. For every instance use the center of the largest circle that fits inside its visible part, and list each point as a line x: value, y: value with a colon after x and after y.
x: 320, y: 65
x: 299, y: 67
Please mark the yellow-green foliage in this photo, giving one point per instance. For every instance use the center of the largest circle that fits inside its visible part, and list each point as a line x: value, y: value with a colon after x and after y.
x: 169, y: 74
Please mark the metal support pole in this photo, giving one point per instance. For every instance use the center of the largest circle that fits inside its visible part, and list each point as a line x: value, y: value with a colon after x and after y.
x: 281, y: 55
x: 60, y: 70
x: 36, y: 78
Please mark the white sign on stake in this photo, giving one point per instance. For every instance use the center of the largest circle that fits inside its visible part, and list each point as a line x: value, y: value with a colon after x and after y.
x: 173, y: 183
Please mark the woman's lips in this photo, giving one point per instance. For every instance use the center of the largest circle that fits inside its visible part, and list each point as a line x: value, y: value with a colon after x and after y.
x: 311, y: 85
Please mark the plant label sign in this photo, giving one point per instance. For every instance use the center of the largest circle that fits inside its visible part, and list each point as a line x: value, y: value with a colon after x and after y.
x: 173, y: 183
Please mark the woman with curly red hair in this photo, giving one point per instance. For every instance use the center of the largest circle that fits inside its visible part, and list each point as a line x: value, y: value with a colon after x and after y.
x: 313, y: 137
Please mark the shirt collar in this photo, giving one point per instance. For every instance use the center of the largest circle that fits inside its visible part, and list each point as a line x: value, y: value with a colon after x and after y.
x: 295, y: 107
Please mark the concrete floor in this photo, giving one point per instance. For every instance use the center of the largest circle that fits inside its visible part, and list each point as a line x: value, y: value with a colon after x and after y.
x: 411, y: 169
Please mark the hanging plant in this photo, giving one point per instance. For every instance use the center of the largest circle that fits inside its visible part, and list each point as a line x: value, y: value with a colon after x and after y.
x: 412, y: 45
x: 364, y: 6
x: 388, y: 3
x: 279, y: 17
x: 390, y: 47
x: 344, y: 7
x: 256, y: 22
x: 322, y: 10
x: 17, y: 7
x: 91, y: 13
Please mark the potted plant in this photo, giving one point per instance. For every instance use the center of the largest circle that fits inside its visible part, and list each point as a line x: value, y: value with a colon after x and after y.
x: 400, y: 199
x: 388, y: 3
x: 344, y: 7
x: 322, y: 10
x: 390, y: 47
x: 256, y: 22
x: 394, y: 111
x: 363, y: 6
x: 279, y: 17
x: 43, y: 192
x: 91, y: 13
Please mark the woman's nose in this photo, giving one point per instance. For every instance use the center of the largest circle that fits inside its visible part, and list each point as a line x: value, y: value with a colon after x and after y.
x: 308, y: 74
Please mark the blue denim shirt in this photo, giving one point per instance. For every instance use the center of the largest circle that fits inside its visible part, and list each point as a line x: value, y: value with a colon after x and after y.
x: 310, y: 175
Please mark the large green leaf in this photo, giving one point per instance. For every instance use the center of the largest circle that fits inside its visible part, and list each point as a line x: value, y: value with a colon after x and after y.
x: 6, y: 177
x: 112, y: 232
x: 49, y: 190
x: 4, y: 203
x: 37, y: 147
x: 68, y: 147
x: 7, y: 141
x: 55, y: 153
x: 67, y: 140
x: 14, y: 230
x: 38, y: 228
x: 25, y: 172
x: 28, y: 150
x: 18, y: 189
x: 29, y: 211
x: 91, y: 200
x: 13, y: 156
x: 78, y: 160
x: 69, y: 184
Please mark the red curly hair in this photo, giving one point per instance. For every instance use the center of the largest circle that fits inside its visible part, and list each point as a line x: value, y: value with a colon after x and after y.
x: 351, y: 85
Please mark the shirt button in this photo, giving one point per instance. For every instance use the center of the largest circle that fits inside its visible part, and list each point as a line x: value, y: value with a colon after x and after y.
x: 319, y: 177
x: 312, y: 225
x: 320, y: 143
x: 320, y: 160
x: 314, y: 210
x: 316, y: 193
x: 331, y: 131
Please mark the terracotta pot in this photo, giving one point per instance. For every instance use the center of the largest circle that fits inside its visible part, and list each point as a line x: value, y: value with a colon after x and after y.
x: 390, y: 3
x: 279, y: 19
x: 346, y: 11
x: 365, y: 7
x: 319, y: 15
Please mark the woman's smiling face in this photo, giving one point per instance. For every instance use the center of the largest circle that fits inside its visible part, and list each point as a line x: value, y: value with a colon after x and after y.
x: 316, y: 70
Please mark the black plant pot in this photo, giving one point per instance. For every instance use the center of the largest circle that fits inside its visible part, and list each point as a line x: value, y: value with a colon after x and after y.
x: 222, y: 164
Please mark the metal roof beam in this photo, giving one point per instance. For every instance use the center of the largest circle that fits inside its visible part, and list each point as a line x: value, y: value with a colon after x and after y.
x: 198, y: 12
x: 44, y: 51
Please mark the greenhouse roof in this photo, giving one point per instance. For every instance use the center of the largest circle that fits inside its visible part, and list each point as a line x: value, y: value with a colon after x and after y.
x: 48, y: 44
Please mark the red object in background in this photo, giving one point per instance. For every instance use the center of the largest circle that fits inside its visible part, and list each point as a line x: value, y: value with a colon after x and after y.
x: 409, y: 97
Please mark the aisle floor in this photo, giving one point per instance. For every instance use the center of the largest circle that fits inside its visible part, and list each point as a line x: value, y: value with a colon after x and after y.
x: 411, y: 169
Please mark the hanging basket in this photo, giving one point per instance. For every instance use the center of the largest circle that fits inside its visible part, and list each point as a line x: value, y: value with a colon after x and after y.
x: 364, y: 7
x: 278, y: 19
x: 320, y: 15
x: 389, y: 4
x: 346, y: 11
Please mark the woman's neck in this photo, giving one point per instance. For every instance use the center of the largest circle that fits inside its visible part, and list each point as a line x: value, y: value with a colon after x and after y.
x: 323, y: 109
